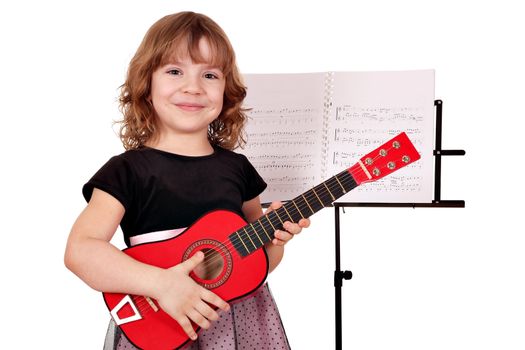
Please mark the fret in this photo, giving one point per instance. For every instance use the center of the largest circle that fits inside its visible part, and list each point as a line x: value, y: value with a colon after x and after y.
x: 314, y: 206
x: 244, y: 228
x: 270, y: 221
x: 244, y: 244
x: 278, y: 216
x: 319, y: 199
x: 339, y: 182
x: 275, y: 220
x: 245, y: 248
x: 287, y: 213
x: 244, y: 252
x: 254, y: 230
x: 264, y: 229
x: 304, y: 198
x: 333, y: 198
x: 347, y: 180
x: 299, y: 210
x: 334, y: 187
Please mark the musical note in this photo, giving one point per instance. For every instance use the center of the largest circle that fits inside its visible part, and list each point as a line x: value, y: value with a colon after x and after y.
x: 283, y: 116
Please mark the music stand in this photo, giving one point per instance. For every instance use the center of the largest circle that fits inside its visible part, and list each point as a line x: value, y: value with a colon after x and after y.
x: 437, y: 202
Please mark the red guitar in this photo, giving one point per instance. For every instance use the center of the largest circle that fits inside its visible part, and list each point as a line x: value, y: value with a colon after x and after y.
x: 235, y: 266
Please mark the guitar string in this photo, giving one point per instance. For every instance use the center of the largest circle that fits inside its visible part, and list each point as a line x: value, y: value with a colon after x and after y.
x: 253, y: 236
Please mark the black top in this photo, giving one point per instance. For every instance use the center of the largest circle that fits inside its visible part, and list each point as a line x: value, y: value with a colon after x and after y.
x: 162, y: 190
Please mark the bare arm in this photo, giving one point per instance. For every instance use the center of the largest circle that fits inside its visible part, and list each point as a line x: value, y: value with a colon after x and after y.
x: 97, y: 262
x: 91, y: 256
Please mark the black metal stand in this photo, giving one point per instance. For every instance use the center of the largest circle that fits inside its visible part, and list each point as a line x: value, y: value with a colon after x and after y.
x: 340, y: 275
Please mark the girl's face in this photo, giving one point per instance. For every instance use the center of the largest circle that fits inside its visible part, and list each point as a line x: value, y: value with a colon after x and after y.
x: 187, y: 96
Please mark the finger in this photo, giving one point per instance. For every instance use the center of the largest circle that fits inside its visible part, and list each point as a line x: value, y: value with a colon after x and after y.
x: 206, y: 311
x: 276, y: 205
x: 304, y: 223
x: 278, y: 242
x: 292, y: 228
x: 187, y: 327
x: 190, y: 264
x: 283, y: 236
x: 198, y: 318
x: 273, y: 206
x: 214, y: 299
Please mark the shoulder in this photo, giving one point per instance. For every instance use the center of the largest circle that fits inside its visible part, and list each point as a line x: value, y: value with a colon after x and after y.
x: 121, y: 163
x: 235, y: 160
x: 117, y: 176
x: 134, y: 155
x: 126, y: 157
x: 224, y: 154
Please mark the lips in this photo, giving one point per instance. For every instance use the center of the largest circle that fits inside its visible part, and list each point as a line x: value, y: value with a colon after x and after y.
x: 188, y: 106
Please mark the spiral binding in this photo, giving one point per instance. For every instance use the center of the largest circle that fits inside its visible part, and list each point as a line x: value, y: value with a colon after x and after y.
x: 327, y: 111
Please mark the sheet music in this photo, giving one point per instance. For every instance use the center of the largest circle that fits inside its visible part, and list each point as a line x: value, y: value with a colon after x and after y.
x: 290, y: 125
x: 369, y: 108
x: 284, y: 131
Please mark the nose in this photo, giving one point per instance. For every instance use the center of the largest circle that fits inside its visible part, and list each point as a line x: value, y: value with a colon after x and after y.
x: 192, y: 84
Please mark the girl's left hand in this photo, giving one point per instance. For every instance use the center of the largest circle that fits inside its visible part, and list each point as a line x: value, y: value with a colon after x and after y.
x: 290, y: 229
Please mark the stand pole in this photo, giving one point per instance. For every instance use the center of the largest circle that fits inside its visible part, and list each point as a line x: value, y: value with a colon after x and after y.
x: 338, y: 284
x: 339, y: 276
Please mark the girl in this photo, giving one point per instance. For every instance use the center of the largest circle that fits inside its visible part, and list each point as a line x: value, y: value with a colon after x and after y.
x: 182, y: 118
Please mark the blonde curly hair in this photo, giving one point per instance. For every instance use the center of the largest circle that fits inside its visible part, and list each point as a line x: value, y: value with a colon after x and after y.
x: 167, y: 37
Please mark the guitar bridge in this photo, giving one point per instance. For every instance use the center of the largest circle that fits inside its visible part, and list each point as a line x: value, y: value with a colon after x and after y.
x: 126, y: 301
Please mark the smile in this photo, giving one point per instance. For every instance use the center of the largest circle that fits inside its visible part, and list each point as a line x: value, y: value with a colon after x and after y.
x: 189, y: 106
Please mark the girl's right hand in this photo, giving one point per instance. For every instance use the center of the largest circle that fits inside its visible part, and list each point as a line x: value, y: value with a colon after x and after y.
x: 185, y: 300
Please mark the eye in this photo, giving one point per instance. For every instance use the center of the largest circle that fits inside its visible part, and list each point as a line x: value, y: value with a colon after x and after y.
x: 211, y: 75
x: 174, y: 71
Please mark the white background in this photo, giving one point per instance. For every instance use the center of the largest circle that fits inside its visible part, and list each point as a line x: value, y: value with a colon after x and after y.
x: 423, y: 278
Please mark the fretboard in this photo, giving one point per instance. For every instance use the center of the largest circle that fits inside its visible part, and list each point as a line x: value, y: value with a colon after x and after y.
x: 253, y: 236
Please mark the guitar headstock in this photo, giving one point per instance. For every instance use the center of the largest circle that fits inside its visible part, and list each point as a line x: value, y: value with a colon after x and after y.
x: 384, y: 160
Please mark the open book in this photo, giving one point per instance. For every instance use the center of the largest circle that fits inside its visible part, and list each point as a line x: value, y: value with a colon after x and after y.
x: 304, y: 128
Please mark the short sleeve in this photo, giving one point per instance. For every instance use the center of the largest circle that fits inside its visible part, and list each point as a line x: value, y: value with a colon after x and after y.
x: 255, y: 185
x: 116, y: 178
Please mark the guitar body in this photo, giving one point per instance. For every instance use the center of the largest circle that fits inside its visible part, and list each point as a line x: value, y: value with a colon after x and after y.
x: 141, y: 319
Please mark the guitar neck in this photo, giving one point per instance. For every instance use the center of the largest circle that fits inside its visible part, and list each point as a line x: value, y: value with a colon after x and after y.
x: 254, y: 235
x: 389, y: 157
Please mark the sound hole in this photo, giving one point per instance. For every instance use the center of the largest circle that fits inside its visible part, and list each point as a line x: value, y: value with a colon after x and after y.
x: 212, y: 265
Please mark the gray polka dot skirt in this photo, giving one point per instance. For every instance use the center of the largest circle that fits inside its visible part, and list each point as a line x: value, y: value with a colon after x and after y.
x: 252, y: 323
